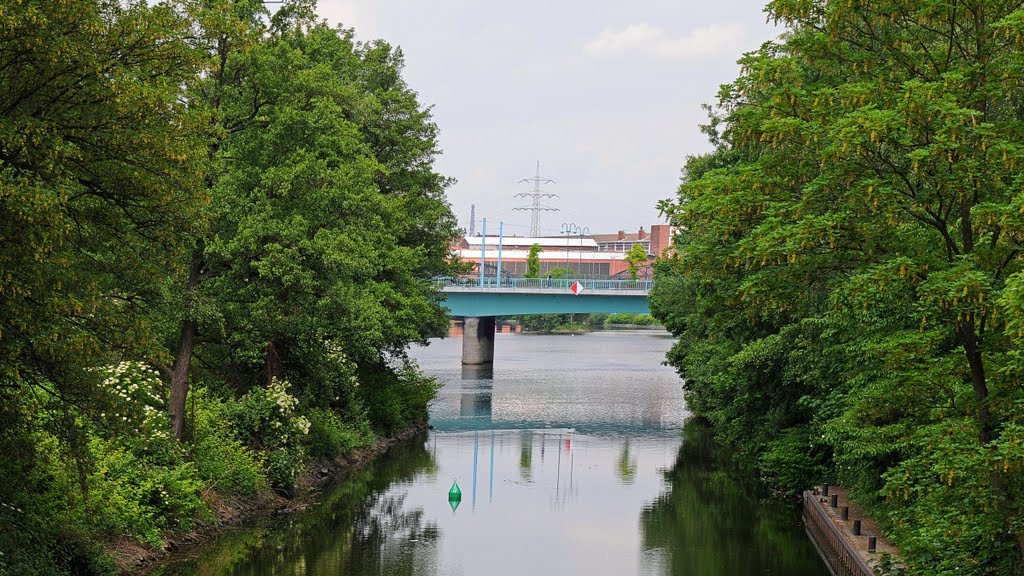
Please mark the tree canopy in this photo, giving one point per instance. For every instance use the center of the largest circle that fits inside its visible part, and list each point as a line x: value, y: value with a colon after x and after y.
x: 206, y: 206
x: 847, y: 268
x: 635, y: 256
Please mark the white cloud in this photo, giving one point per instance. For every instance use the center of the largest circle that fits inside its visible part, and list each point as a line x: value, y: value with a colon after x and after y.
x: 645, y: 39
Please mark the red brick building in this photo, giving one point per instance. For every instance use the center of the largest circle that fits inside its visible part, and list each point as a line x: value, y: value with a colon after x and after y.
x: 597, y: 256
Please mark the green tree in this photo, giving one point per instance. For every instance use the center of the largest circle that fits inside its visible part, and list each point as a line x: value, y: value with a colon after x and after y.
x: 848, y: 266
x: 533, y: 262
x: 100, y: 180
x: 330, y: 223
x: 97, y: 178
x: 228, y: 35
x: 278, y: 281
x: 636, y: 256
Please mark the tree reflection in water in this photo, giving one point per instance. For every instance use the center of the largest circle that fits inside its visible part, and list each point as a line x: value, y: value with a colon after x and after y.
x: 387, y: 538
x: 626, y: 465
x: 361, y: 527
x: 712, y: 520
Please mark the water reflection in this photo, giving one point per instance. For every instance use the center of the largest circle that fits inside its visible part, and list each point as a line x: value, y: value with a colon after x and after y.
x: 478, y: 371
x: 526, y: 455
x: 475, y: 395
x: 601, y: 382
x: 712, y: 520
x: 627, y: 464
x: 570, y: 460
x: 366, y: 526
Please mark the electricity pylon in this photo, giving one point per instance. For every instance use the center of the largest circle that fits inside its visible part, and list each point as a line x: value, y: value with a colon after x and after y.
x: 535, y: 206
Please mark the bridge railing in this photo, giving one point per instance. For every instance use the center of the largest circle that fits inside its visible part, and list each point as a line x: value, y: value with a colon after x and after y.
x: 543, y: 283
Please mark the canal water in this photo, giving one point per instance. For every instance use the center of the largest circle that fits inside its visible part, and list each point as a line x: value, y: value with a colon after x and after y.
x: 574, y: 455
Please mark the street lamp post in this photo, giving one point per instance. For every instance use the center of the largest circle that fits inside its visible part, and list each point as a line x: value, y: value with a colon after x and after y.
x: 579, y: 267
x: 569, y: 229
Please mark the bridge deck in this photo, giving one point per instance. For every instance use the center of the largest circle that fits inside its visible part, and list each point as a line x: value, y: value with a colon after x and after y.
x: 547, y: 291
x: 544, y: 285
x: 515, y: 296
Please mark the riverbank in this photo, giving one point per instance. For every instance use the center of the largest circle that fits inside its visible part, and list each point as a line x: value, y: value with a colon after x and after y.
x: 133, y: 559
x: 848, y: 540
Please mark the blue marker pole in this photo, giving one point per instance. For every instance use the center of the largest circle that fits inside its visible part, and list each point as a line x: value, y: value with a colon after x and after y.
x: 476, y: 444
x: 483, y: 248
x: 501, y: 226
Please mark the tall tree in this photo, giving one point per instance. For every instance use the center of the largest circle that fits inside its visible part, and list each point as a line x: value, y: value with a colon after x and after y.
x: 635, y: 256
x: 228, y: 34
x: 533, y: 261
x: 330, y: 221
x: 99, y: 182
x: 867, y: 191
x: 97, y: 178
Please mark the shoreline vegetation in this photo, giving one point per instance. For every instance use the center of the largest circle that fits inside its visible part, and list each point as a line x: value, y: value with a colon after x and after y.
x: 220, y: 229
x: 582, y: 323
x: 135, y: 560
x: 847, y: 282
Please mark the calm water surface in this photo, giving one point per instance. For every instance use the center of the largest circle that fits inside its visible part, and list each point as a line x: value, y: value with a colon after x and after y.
x: 573, y: 456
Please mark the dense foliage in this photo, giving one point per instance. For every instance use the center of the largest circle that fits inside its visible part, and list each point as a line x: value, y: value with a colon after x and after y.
x: 636, y: 256
x: 581, y: 322
x: 533, y: 261
x: 847, y: 278
x: 219, y: 231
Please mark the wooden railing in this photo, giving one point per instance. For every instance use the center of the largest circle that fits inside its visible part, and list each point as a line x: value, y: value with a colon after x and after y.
x: 839, y: 555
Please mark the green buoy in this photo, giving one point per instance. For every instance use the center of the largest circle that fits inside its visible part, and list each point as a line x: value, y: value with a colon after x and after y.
x: 454, y: 495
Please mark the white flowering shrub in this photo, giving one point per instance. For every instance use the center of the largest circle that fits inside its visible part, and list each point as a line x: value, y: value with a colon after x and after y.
x: 142, y: 483
x: 266, y: 419
x: 331, y: 382
x: 131, y: 399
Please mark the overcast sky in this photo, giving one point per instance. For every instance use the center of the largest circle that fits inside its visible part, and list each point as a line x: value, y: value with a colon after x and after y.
x: 605, y: 94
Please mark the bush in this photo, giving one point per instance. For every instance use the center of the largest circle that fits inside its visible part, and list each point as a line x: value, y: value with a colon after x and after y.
x: 266, y: 420
x: 790, y: 462
x: 631, y: 319
x: 396, y: 399
x: 130, y: 401
x: 131, y: 496
x: 329, y: 436
x: 221, y: 459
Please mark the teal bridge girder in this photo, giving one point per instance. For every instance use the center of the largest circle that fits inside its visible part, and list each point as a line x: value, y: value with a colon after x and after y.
x: 469, y: 297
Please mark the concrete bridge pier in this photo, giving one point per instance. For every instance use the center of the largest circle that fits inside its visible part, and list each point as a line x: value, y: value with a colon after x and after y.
x: 478, y: 340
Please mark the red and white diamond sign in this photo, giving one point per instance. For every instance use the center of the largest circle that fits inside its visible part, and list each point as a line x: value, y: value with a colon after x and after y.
x: 576, y: 288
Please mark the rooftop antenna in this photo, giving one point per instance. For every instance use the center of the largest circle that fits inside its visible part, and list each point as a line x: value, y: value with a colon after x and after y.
x: 536, y: 207
x: 472, y: 220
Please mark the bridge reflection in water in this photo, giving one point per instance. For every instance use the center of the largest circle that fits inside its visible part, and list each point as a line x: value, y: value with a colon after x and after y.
x: 632, y: 491
x: 479, y: 302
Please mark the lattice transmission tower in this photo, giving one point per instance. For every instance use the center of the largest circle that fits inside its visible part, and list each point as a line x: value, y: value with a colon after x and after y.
x: 535, y: 206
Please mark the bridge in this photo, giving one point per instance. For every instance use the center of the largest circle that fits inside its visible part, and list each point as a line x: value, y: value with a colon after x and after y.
x: 478, y: 301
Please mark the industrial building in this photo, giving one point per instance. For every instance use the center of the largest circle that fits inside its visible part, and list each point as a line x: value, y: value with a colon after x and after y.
x: 594, y: 256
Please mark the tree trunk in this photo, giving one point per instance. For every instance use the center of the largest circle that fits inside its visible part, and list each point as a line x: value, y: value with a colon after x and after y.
x: 179, y: 377
x: 183, y: 357
x: 273, y: 362
x: 969, y: 340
